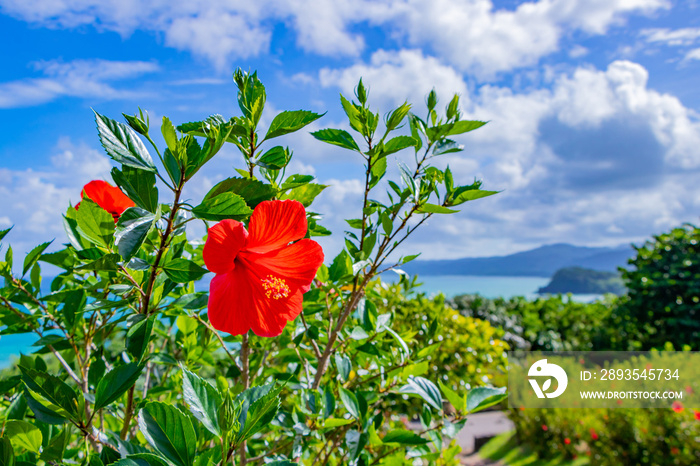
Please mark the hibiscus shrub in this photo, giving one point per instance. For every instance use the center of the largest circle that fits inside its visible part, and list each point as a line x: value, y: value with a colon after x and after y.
x: 157, y: 350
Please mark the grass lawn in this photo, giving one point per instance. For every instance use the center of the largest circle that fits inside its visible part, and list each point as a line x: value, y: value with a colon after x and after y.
x: 504, y: 448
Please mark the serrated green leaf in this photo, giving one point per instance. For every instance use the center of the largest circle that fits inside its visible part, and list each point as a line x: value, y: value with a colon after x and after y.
x: 131, y: 231
x: 223, y: 206
x: 260, y: 413
x: 115, y: 383
x: 203, y: 400
x: 344, y: 366
x: 139, y: 186
x: 7, y: 453
x: 274, y: 159
x: 253, y: 192
x: 169, y: 134
x: 94, y: 223
x: 4, y: 233
x: 23, y: 435
x: 289, y: 122
x: 295, y: 181
x: 341, y: 268
x: 138, y: 336
x: 337, y: 137
x: 398, y: 143
x: 183, y: 270
x: 305, y: 194
x: 53, y: 393
x: 34, y: 255
x: 108, y: 262
x: 123, y: 144
x: 169, y: 431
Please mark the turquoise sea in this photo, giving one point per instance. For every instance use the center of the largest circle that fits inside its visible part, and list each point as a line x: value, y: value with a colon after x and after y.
x: 451, y: 285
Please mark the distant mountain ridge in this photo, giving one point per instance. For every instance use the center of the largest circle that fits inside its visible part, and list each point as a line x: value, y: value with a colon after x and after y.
x: 539, y: 262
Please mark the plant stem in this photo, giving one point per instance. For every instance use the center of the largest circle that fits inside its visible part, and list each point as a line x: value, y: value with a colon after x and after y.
x: 245, y: 373
x: 128, y: 413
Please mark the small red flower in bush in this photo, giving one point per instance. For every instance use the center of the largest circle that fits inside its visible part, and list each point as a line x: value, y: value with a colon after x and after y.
x: 697, y: 415
x: 675, y: 451
x: 260, y: 276
x: 111, y: 199
x: 567, y: 440
x: 677, y: 407
x: 594, y: 434
x: 545, y: 428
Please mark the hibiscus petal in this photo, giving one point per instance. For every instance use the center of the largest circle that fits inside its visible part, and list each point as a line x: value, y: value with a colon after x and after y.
x: 296, y: 263
x: 110, y: 198
x: 275, y: 224
x: 237, y: 303
x: 224, y: 241
x: 229, y: 297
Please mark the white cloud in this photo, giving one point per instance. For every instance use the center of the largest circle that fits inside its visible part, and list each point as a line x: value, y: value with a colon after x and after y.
x: 393, y: 77
x: 34, y: 199
x: 596, y: 158
x: 672, y: 37
x: 693, y: 55
x: 473, y: 35
x: 78, y: 78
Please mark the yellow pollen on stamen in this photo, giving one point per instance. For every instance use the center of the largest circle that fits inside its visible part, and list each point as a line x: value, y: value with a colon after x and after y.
x: 275, y: 287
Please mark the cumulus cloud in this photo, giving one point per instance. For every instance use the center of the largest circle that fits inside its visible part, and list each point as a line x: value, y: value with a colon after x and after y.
x: 34, y: 199
x: 671, y: 37
x: 596, y: 157
x: 473, y: 35
x: 78, y: 78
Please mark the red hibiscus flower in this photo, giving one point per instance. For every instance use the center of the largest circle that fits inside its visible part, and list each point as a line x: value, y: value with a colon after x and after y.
x: 111, y: 199
x: 677, y: 407
x: 594, y: 434
x: 697, y: 415
x: 260, y: 276
x: 567, y: 440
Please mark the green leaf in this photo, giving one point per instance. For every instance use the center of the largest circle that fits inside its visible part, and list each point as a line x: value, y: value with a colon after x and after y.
x: 142, y: 459
x: 398, y: 143
x: 434, y: 209
x: 464, y: 126
x: 447, y: 146
x: 274, y: 159
x: 108, y: 262
x: 425, y: 389
x: 169, y: 431
x: 356, y: 443
x: 428, y: 350
x: 203, y: 399
x: 53, y: 393
x: 480, y: 398
x: 115, y: 383
x: 23, y: 435
x: 305, y: 194
x: 94, y: 223
x: 253, y: 192
x: 260, y: 413
x: 225, y: 205
x: 169, y: 134
x: 139, y: 186
x: 123, y: 144
x: 469, y: 195
x: 7, y: 453
x: 295, y: 181
x: 290, y: 121
x: 33, y: 256
x: 341, y: 268
x: 183, y: 270
x: 350, y: 401
x: 344, y: 366
x: 404, y: 437
x: 132, y: 228
x: 139, y: 335
x: 337, y: 137
x: 378, y: 171
x: 457, y: 401
x: 56, y: 448
x: 4, y: 233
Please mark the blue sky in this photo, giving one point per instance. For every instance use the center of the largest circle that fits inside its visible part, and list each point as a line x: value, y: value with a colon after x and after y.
x: 594, y: 131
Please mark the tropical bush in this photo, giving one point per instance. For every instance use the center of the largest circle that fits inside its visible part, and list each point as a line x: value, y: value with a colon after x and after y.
x: 663, y: 280
x: 553, y: 323
x: 282, y: 357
